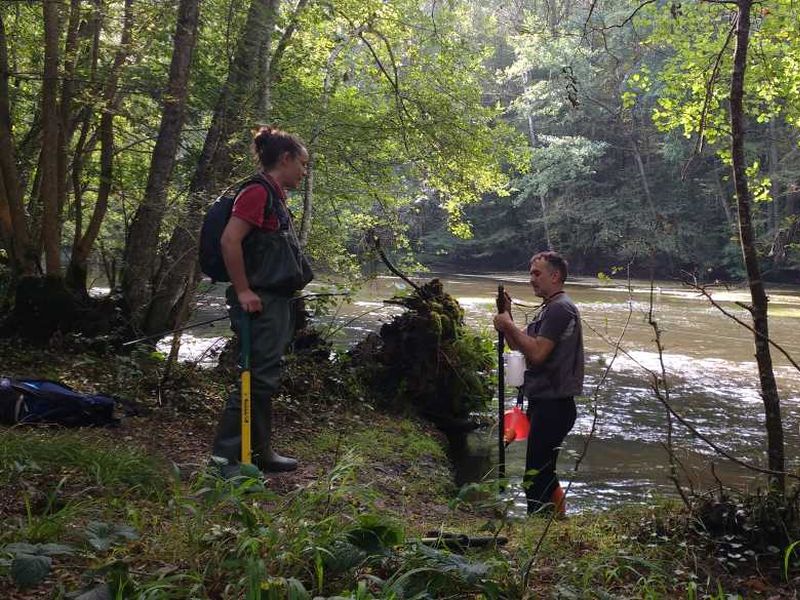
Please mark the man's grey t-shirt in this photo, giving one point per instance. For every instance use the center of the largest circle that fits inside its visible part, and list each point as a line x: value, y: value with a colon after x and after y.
x: 561, y: 375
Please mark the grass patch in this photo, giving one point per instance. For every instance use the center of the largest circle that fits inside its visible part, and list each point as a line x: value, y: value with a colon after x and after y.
x: 384, y: 437
x: 342, y: 533
x: 80, y: 456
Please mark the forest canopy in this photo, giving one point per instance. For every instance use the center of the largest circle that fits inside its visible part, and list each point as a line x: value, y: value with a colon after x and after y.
x: 462, y: 133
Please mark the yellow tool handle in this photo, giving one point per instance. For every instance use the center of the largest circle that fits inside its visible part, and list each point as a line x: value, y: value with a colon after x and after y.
x: 246, y: 411
x: 247, y: 457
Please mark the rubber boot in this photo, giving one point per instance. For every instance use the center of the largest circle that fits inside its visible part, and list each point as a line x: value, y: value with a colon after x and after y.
x: 559, y: 500
x: 228, y: 440
x: 264, y: 457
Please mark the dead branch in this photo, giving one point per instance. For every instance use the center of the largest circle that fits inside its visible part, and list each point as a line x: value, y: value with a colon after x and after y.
x: 657, y: 388
x: 377, y: 243
x: 702, y: 289
x: 688, y: 425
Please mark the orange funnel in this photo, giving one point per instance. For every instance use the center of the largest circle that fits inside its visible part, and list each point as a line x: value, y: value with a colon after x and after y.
x: 515, y: 425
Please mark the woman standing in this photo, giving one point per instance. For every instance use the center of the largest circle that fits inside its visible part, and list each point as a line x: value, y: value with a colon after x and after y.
x: 266, y: 268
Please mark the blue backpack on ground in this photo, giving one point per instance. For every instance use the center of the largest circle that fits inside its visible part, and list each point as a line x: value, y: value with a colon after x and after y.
x: 28, y: 401
x: 217, y: 217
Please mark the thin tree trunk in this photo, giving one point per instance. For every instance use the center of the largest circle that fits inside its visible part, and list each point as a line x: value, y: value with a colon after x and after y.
x: 723, y: 202
x: 142, y: 244
x: 13, y: 223
x: 264, y: 103
x: 48, y: 166
x: 269, y: 60
x: 544, y: 222
x: 275, y: 59
x: 77, y: 174
x: 84, y: 118
x: 77, y: 270
x: 328, y: 89
x: 177, y: 264
x: 637, y: 155
x: 533, y: 141
x: 774, y: 221
x: 66, y: 119
x: 308, y: 202
x: 769, y: 390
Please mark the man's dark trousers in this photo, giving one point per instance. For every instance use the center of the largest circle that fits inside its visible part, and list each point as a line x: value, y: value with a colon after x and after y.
x: 551, y: 421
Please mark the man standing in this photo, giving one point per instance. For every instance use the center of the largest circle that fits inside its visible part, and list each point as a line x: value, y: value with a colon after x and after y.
x: 265, y: 265
x: 553, y: 349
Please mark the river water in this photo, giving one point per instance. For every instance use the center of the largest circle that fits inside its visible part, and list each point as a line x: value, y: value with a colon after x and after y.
x: 709, y: 363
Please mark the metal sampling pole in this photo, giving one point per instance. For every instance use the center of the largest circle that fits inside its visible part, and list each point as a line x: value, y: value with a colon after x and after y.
x: 501, y: 391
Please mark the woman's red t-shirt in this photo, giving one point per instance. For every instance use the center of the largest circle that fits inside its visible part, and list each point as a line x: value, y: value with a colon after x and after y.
x: 249, y: 205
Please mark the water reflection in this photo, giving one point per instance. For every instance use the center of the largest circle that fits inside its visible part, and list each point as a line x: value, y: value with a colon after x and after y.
x: 708, y: 360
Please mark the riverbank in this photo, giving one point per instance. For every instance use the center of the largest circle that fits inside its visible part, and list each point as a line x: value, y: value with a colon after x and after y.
x: 132, y: 508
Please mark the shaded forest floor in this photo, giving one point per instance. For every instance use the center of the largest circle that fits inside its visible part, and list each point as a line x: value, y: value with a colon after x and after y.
x: 137, y: 515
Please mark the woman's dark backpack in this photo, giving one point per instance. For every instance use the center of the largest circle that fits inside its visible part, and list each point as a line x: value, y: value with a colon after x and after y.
x: 217, y: 217
x: 43, y: 401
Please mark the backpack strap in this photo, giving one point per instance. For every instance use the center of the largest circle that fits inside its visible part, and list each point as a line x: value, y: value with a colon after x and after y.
x: 259, y: 179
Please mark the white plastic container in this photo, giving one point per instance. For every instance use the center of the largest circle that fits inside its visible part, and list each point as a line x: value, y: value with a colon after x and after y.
x: 515, y: 368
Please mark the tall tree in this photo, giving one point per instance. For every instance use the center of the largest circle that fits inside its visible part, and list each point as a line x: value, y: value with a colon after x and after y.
x: 141, y: 248
x: 13, y: 222
x: 84, y: 241
x: 758, y: 309
x: 176, y: 274
x: 49, y: 159
x: 743, y: 90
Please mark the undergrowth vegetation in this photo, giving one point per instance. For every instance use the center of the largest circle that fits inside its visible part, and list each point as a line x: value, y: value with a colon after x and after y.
x: 87, y: 515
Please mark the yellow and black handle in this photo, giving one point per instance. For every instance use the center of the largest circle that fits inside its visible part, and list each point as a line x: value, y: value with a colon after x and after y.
x: 247, y: 457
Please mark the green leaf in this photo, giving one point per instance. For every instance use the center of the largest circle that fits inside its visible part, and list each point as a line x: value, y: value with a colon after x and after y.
x: 101, y: 536
x: 786, y: 556
x: 28, y: 569
x: 55, y: 549
x: 21, y: 548
x: 251, y: 471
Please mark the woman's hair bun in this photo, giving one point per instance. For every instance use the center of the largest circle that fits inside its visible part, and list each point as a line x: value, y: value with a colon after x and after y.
x: 269, y: 143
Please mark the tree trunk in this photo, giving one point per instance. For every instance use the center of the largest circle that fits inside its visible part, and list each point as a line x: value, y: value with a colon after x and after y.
x: 723, y: 202
x: 177, y: 264
x: 142, y: 244
x: 264, y: 102
x: 78, y: 265
x: 48, y: 165
x: 637, y: 155
x: 274, y: 61
x: 769, y: 390
x: 82, y: 148
x: 533, y: 141
x: 774, y: 221
x: 544, y: 222
x: 308, y: 202
x: 66, y: 119
x: 13, y: 224
x: 328, y: 89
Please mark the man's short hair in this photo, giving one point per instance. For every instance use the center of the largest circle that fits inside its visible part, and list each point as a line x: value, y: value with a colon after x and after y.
x: 556, y: 262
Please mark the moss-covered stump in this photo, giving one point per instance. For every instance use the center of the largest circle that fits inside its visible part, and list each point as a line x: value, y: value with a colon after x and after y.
x: 428, y: 359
